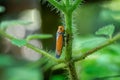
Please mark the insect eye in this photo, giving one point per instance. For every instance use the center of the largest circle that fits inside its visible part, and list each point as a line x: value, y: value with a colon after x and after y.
x: 60, y: 28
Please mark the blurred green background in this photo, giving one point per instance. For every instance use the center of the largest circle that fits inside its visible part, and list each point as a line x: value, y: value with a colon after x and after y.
x: 87, y: 19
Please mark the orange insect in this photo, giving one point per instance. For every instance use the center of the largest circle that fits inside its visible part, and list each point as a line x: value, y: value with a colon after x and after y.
x: 59, y: 41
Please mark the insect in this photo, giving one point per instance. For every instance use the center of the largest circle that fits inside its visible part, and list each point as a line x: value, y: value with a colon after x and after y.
x: 59, y: 40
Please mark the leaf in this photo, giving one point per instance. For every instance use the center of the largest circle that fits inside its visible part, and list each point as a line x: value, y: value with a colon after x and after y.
x: 38, y: 36
x: 5, y: 24
x: 19, y: 42
x: 107, y: 30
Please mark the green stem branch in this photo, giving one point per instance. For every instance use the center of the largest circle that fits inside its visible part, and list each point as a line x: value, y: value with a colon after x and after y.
x: 67, y: 3
x: 56, y: 4
x: 117, y: 37
x: 76, y: 4
x: 6, y: 35
x: 40, y: 51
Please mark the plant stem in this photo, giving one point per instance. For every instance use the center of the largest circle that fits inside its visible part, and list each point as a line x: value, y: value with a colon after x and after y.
x: 68, y: 33
x: 68, y: 46
x: 40, y: 51
x: 56, y: 4
x: 76, y: 4
x: 6, y: 35
x: 117, y: 37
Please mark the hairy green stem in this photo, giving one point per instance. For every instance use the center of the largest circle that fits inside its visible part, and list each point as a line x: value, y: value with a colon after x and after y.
x: 117, y: 37
x: 67, y: 2
x: 76, y: 4
x: 68, y: 33
x: 68, y: 45
x: 40, y: 51
x: 57, y: 5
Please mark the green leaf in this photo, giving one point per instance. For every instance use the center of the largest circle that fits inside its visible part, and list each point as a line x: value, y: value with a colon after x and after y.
x: 5, y: 24
x: 19, y: 42
x: 2, y: 9
x: 107, y: 30
x: 38, y: 36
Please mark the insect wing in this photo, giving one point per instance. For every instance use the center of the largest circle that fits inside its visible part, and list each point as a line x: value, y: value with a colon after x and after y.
x: 59, y: 44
